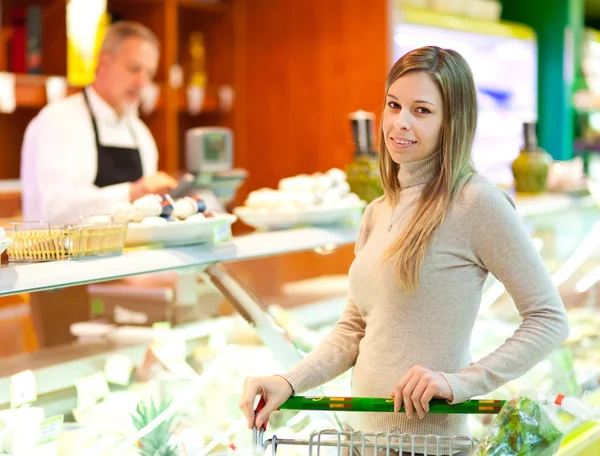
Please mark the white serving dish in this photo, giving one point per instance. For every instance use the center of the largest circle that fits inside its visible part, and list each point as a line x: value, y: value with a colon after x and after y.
x: 267, y: 220
x: 183, y: 232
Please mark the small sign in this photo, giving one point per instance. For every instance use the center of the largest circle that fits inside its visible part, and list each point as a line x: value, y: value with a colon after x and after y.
x: 118, y: 369
x: 221, y: 233
x: 22, y: 389
x: 90, y: 389
x: 49, y: 429
x: 97, y: 307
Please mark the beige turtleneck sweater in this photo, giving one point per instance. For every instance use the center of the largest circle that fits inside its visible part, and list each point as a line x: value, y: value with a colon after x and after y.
x: 383, y: 331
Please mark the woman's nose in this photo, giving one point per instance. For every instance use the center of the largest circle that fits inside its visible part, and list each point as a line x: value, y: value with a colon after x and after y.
x: 401, y: 122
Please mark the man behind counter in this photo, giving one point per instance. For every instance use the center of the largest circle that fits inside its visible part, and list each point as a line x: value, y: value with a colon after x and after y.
x: 84, y: 153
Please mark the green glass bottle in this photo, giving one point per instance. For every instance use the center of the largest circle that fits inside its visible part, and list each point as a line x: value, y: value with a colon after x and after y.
x: 531, y: 167
x: 363, y: 173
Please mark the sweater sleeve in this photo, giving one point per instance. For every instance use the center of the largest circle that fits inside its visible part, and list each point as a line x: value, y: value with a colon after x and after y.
x: 338, y: 351
x: 501, y: 245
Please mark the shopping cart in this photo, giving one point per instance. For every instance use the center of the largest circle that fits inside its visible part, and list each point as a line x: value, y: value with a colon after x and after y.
x: 357, y: 442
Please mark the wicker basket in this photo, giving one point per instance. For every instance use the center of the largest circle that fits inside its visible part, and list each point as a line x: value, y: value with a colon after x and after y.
x: 35, y: 241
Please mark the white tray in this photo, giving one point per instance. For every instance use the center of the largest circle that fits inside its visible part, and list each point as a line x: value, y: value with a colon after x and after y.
x: 184, y: 232
x: 315, y: 216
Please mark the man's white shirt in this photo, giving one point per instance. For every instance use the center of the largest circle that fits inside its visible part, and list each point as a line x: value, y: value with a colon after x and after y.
x: 59, y: 158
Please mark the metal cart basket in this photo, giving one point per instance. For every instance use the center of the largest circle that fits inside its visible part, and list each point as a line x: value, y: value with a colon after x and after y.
x: 391, y: 443
x: 333, y: 442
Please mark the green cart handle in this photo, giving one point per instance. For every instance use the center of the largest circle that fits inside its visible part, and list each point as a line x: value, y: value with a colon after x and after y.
x: 375, y: 404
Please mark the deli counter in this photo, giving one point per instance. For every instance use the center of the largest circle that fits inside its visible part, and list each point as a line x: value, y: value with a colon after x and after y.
x: 121, y: 389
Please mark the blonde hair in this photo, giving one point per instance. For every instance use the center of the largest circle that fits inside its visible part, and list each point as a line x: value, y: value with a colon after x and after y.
x: 451, y: 74
x: 120, y: 31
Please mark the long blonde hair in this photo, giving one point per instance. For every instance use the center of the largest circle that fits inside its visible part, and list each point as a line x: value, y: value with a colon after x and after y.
x: 451, y: 74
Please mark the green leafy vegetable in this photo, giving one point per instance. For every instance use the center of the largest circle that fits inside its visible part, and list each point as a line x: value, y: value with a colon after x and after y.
x: 522, y: 428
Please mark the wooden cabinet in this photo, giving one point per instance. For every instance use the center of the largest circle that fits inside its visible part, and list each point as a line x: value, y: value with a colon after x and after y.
x: 173, y: 21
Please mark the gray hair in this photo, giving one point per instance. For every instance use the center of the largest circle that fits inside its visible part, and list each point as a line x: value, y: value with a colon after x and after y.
x: 120, y: 31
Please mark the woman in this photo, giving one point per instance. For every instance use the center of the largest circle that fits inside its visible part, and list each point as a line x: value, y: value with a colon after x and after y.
x: 422, y: 256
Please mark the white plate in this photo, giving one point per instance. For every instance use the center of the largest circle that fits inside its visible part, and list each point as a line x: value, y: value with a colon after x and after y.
x: 195, y: 231
x: 315, y: 216
x: 4, y: 244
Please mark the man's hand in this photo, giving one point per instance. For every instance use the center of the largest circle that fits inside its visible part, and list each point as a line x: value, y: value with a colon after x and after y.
x: 160, y: 183
x: 418, y: 386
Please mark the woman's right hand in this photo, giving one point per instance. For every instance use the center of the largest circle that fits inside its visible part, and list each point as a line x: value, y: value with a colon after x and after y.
x: 274, y: 389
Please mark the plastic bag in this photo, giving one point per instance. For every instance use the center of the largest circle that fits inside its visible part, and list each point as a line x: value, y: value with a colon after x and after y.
x: 524, y: 426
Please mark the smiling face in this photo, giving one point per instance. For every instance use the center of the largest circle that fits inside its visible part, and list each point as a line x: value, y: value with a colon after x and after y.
x: 412, y: 118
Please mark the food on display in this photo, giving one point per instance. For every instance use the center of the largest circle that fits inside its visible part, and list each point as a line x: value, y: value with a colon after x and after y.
x: 158, y: 210
x: 305, y: 192
x: 17, y: 426
x: 523, y: 427
x: 155, y: 219
x: 2, y: 234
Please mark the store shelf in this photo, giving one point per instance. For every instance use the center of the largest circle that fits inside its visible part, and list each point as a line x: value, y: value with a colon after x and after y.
x: 30, y: 90
x: 211, y: 104
x: 24, y: 278
x: 214, y: 6
x: 57, y: 368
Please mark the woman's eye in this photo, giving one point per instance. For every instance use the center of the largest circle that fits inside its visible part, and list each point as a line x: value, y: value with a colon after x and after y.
x: 423, y: 111
x: 393, y: 105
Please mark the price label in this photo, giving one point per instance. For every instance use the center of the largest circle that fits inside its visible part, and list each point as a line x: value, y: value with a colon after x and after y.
x: 118, y: 369
x: 90, y: 389
x: 221, y: 233
x: 49, y: 429
x: 22, y: 389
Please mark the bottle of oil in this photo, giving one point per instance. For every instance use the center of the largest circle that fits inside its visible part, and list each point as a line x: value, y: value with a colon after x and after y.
x: 198, y: 77
x: 530, y: 169
x: 363, y: 173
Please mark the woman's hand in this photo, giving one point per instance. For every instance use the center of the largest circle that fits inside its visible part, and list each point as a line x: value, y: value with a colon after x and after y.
x: 274, y: 389
x: 418, y: 386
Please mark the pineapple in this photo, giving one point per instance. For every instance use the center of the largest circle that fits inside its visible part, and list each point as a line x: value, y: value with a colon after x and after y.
x: 157, y: 442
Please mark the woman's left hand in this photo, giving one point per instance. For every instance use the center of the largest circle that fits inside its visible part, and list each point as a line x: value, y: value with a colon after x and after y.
x: 418, y: 386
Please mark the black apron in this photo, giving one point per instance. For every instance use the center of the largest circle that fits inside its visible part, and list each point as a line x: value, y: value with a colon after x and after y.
x: 116, y: 165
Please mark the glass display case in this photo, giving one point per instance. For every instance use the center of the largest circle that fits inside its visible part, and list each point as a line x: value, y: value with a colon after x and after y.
x: 124, y: 389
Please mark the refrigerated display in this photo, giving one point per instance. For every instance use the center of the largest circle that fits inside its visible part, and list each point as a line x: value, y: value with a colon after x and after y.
x: 189, y: 377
